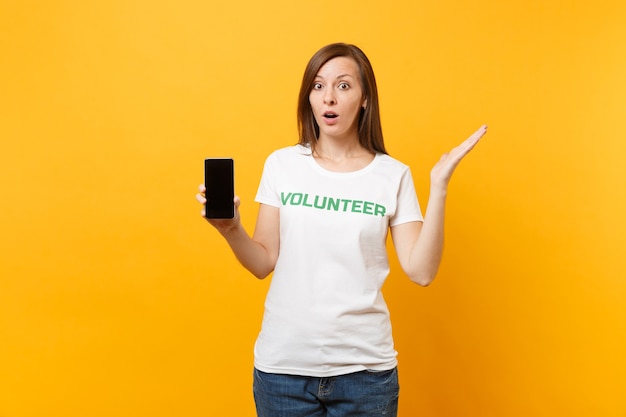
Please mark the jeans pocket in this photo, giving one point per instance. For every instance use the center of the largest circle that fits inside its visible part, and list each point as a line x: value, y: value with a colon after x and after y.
x: 385, y: 377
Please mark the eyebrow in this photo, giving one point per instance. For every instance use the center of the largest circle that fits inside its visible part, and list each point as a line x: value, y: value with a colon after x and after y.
x: 338, y: 77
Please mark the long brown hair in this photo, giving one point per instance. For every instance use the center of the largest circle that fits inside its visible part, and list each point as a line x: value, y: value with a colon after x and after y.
x: 370, y: 130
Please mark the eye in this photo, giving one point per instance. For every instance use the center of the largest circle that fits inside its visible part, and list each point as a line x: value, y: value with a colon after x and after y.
x: 344, y: 86
x: 317, y: 86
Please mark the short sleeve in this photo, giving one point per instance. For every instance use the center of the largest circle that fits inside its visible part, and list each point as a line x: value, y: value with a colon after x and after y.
x: 408, y: 208
x: 266, y: 193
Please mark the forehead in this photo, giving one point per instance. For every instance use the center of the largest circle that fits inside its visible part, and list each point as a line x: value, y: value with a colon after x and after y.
x: 339, y: 66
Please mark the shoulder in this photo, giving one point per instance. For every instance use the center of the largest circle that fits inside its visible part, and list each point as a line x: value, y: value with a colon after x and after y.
x: 287, y: 157
x: 290, y: 152
x: 392, y: 165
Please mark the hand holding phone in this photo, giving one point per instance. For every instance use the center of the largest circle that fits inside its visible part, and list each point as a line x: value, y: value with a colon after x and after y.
x: 219, y: 180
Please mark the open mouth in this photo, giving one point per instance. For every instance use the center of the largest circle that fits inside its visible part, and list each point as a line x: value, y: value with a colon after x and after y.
x: 330, y: 115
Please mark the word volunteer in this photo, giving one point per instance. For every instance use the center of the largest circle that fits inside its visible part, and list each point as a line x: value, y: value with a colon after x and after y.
x: 333, y: 204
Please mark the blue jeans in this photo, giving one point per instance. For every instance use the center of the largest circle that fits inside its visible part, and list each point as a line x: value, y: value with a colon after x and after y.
x: 362, y: 394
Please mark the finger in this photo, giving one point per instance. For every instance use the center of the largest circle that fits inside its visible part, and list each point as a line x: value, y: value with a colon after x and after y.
x: 469, y: 143
x: 478, y: 134
x: 237, y: 201
x: 475, y: 137
x: 201, y: 198
x: 202, y: 188
x: 481, y: 130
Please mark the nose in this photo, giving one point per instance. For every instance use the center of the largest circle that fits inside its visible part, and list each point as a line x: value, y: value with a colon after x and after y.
x: 329, y: 97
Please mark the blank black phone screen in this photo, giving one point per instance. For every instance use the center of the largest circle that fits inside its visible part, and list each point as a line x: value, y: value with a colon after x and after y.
x: 220, y: 188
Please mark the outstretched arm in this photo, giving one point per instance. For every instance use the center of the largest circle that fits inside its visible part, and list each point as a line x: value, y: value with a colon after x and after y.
x: 419, y: 246
x: 258, y: 254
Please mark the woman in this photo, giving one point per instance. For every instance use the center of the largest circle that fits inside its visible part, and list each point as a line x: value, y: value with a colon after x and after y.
x: 326, y: 206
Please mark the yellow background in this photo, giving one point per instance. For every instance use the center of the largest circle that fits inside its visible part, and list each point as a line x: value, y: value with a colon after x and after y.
x: 117, y: 299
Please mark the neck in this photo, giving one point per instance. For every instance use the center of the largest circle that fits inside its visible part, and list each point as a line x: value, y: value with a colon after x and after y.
x: 341, y: 156
x: 335, y: 149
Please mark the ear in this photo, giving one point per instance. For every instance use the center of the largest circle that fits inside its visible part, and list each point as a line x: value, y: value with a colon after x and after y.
x: 364, y: 104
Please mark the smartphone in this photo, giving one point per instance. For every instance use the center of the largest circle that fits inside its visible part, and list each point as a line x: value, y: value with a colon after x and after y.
x: 219, y: 179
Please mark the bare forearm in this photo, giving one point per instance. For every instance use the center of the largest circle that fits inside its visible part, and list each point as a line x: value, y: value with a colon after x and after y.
x: 428, y: 249
x: 258, y: 254
x: 420, y: 247
x: 250, y: 253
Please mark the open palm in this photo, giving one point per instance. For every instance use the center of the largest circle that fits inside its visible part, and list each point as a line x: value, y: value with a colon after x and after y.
x: 442, y: 171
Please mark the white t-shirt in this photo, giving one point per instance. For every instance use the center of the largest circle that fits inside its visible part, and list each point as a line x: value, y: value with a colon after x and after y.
x: 324, y: 312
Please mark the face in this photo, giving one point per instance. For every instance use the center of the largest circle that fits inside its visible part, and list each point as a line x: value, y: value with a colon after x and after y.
x: 337, y: 98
